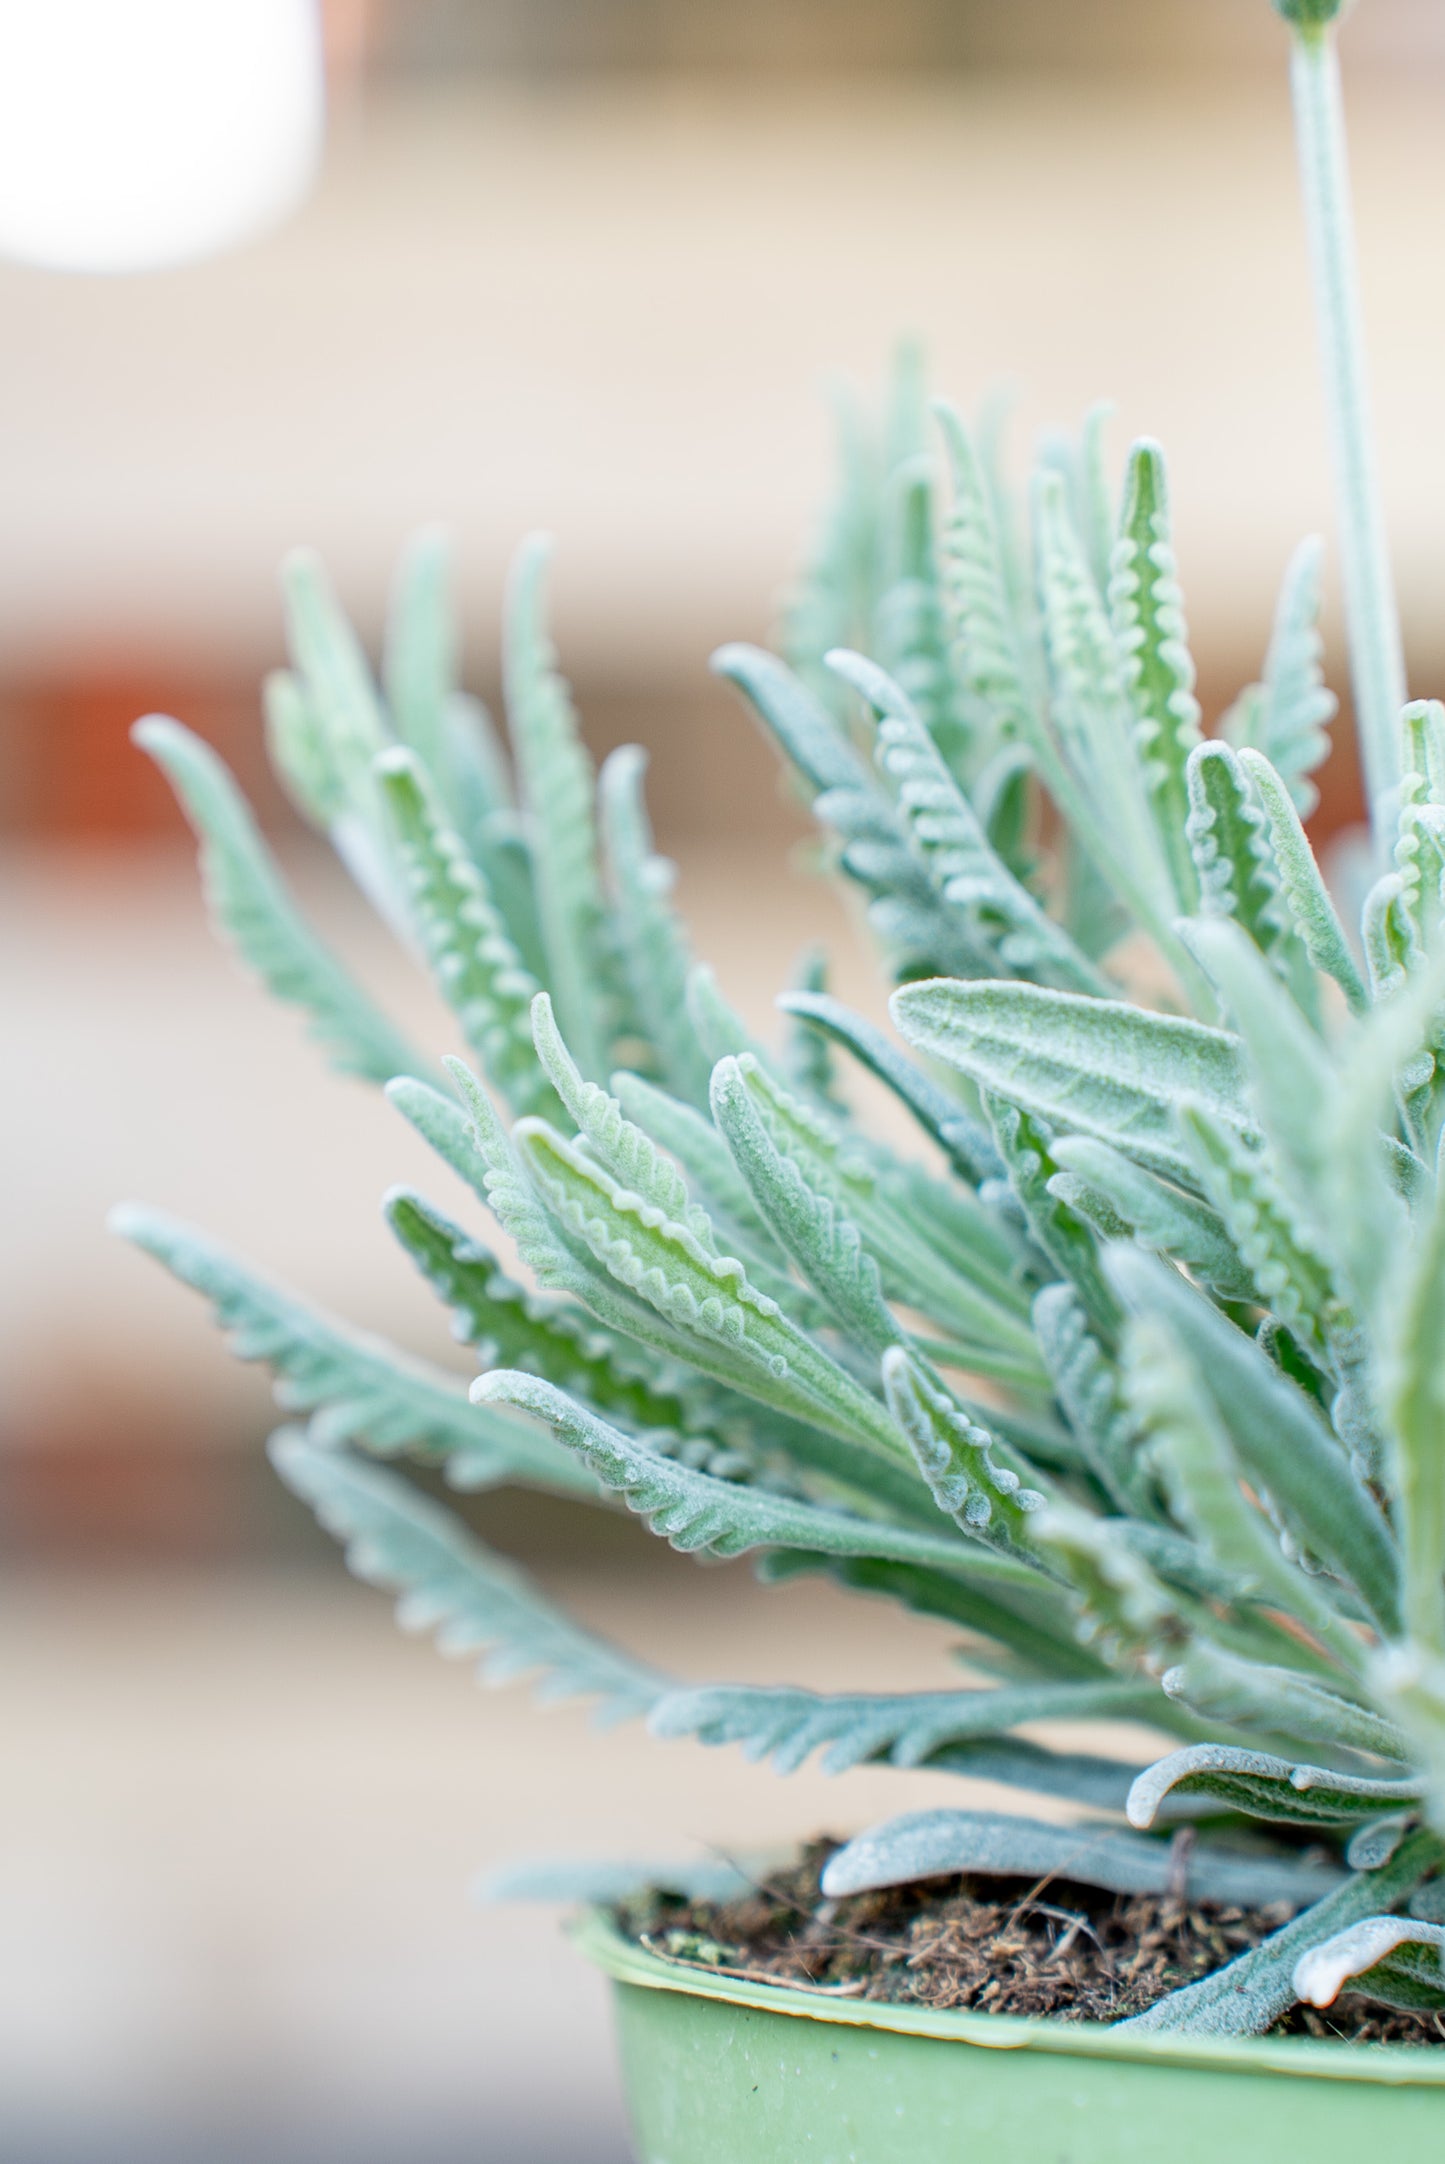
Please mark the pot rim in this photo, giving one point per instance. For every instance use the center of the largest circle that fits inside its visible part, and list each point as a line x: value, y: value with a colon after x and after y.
x: 1393, y: 2065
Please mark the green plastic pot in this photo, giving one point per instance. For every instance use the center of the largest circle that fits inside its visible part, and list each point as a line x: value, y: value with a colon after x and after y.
x: 719, y: 2071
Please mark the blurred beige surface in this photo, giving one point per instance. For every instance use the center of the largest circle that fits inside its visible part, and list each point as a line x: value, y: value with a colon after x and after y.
x: 610, y: 310
x: 240, y: 1818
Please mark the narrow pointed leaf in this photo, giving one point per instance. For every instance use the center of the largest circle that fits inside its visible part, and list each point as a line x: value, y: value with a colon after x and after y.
x: 965, y: 1141
x: 1287, y: 717
x: 451, y: 1584
x: 481, y: 1149
x: 335, y: 672
x: 1301, y: 883
x: 786, y: 1725
x: 732, y: 1330
x: 913, y: 631
x: 939, y: 1844
x: 1127, y: 1612
x: 1148, y: 612
x: 1253, y: 1695
x: 419, y: 670
x: 298, y: 751
x: 906, y: 910
x: 441, y: 1122
x: 1281, y: 1441
x: 1415, y: 1391
x: 1087, y: 1385
x: 1281, y: 1252
x: 555, y: 779
x: 1289, y: 1084
x: 628, y: 1153
x: 954, y: 1454
x: 1067, y: 1240
x: 251, y: 905
x: 1001, y: 918
x: 511, y: 1327
x: 1190, y: 1447
x: 690, y: 1137
x: 358, y: 1388
x: 809, y: 1224
x: 956, y: 1268
x: 1093, y: 721
x: 803, y: 727
x: 478, y: 970
x: 990, y: 657
x: 1160, y: 1215
x: 653, y: 945
x: 1249, y: 1995
x: 1232, y: 845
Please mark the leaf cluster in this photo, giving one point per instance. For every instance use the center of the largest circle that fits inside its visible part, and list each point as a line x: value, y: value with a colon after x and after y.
x: 1129, y: 1371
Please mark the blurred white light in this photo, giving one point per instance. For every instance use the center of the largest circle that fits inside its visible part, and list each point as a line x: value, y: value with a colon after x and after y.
x: 138, y: 134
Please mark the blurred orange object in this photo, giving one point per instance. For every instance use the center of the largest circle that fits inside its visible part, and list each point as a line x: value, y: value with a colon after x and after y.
x: 71, y: 773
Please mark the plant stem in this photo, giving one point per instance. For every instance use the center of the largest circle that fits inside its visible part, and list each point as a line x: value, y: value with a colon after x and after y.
x: 1377, y: 665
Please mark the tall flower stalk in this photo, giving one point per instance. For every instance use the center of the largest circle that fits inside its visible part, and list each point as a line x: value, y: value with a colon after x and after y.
x: 1377, y: 664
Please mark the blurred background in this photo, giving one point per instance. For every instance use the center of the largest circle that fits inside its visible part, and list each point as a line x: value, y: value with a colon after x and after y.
x: 589, y: 265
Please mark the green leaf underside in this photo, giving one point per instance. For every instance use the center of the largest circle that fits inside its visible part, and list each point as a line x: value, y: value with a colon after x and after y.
x: 1249, y: 1995
x: 786, y: 1725
x: 1092, y: 1067
x: 1264, y: 1786
x: 1392, y: 1959
x: 695, y: 1510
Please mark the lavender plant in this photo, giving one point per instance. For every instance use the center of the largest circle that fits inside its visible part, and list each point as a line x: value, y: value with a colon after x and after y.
x: 1132, y: 1371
